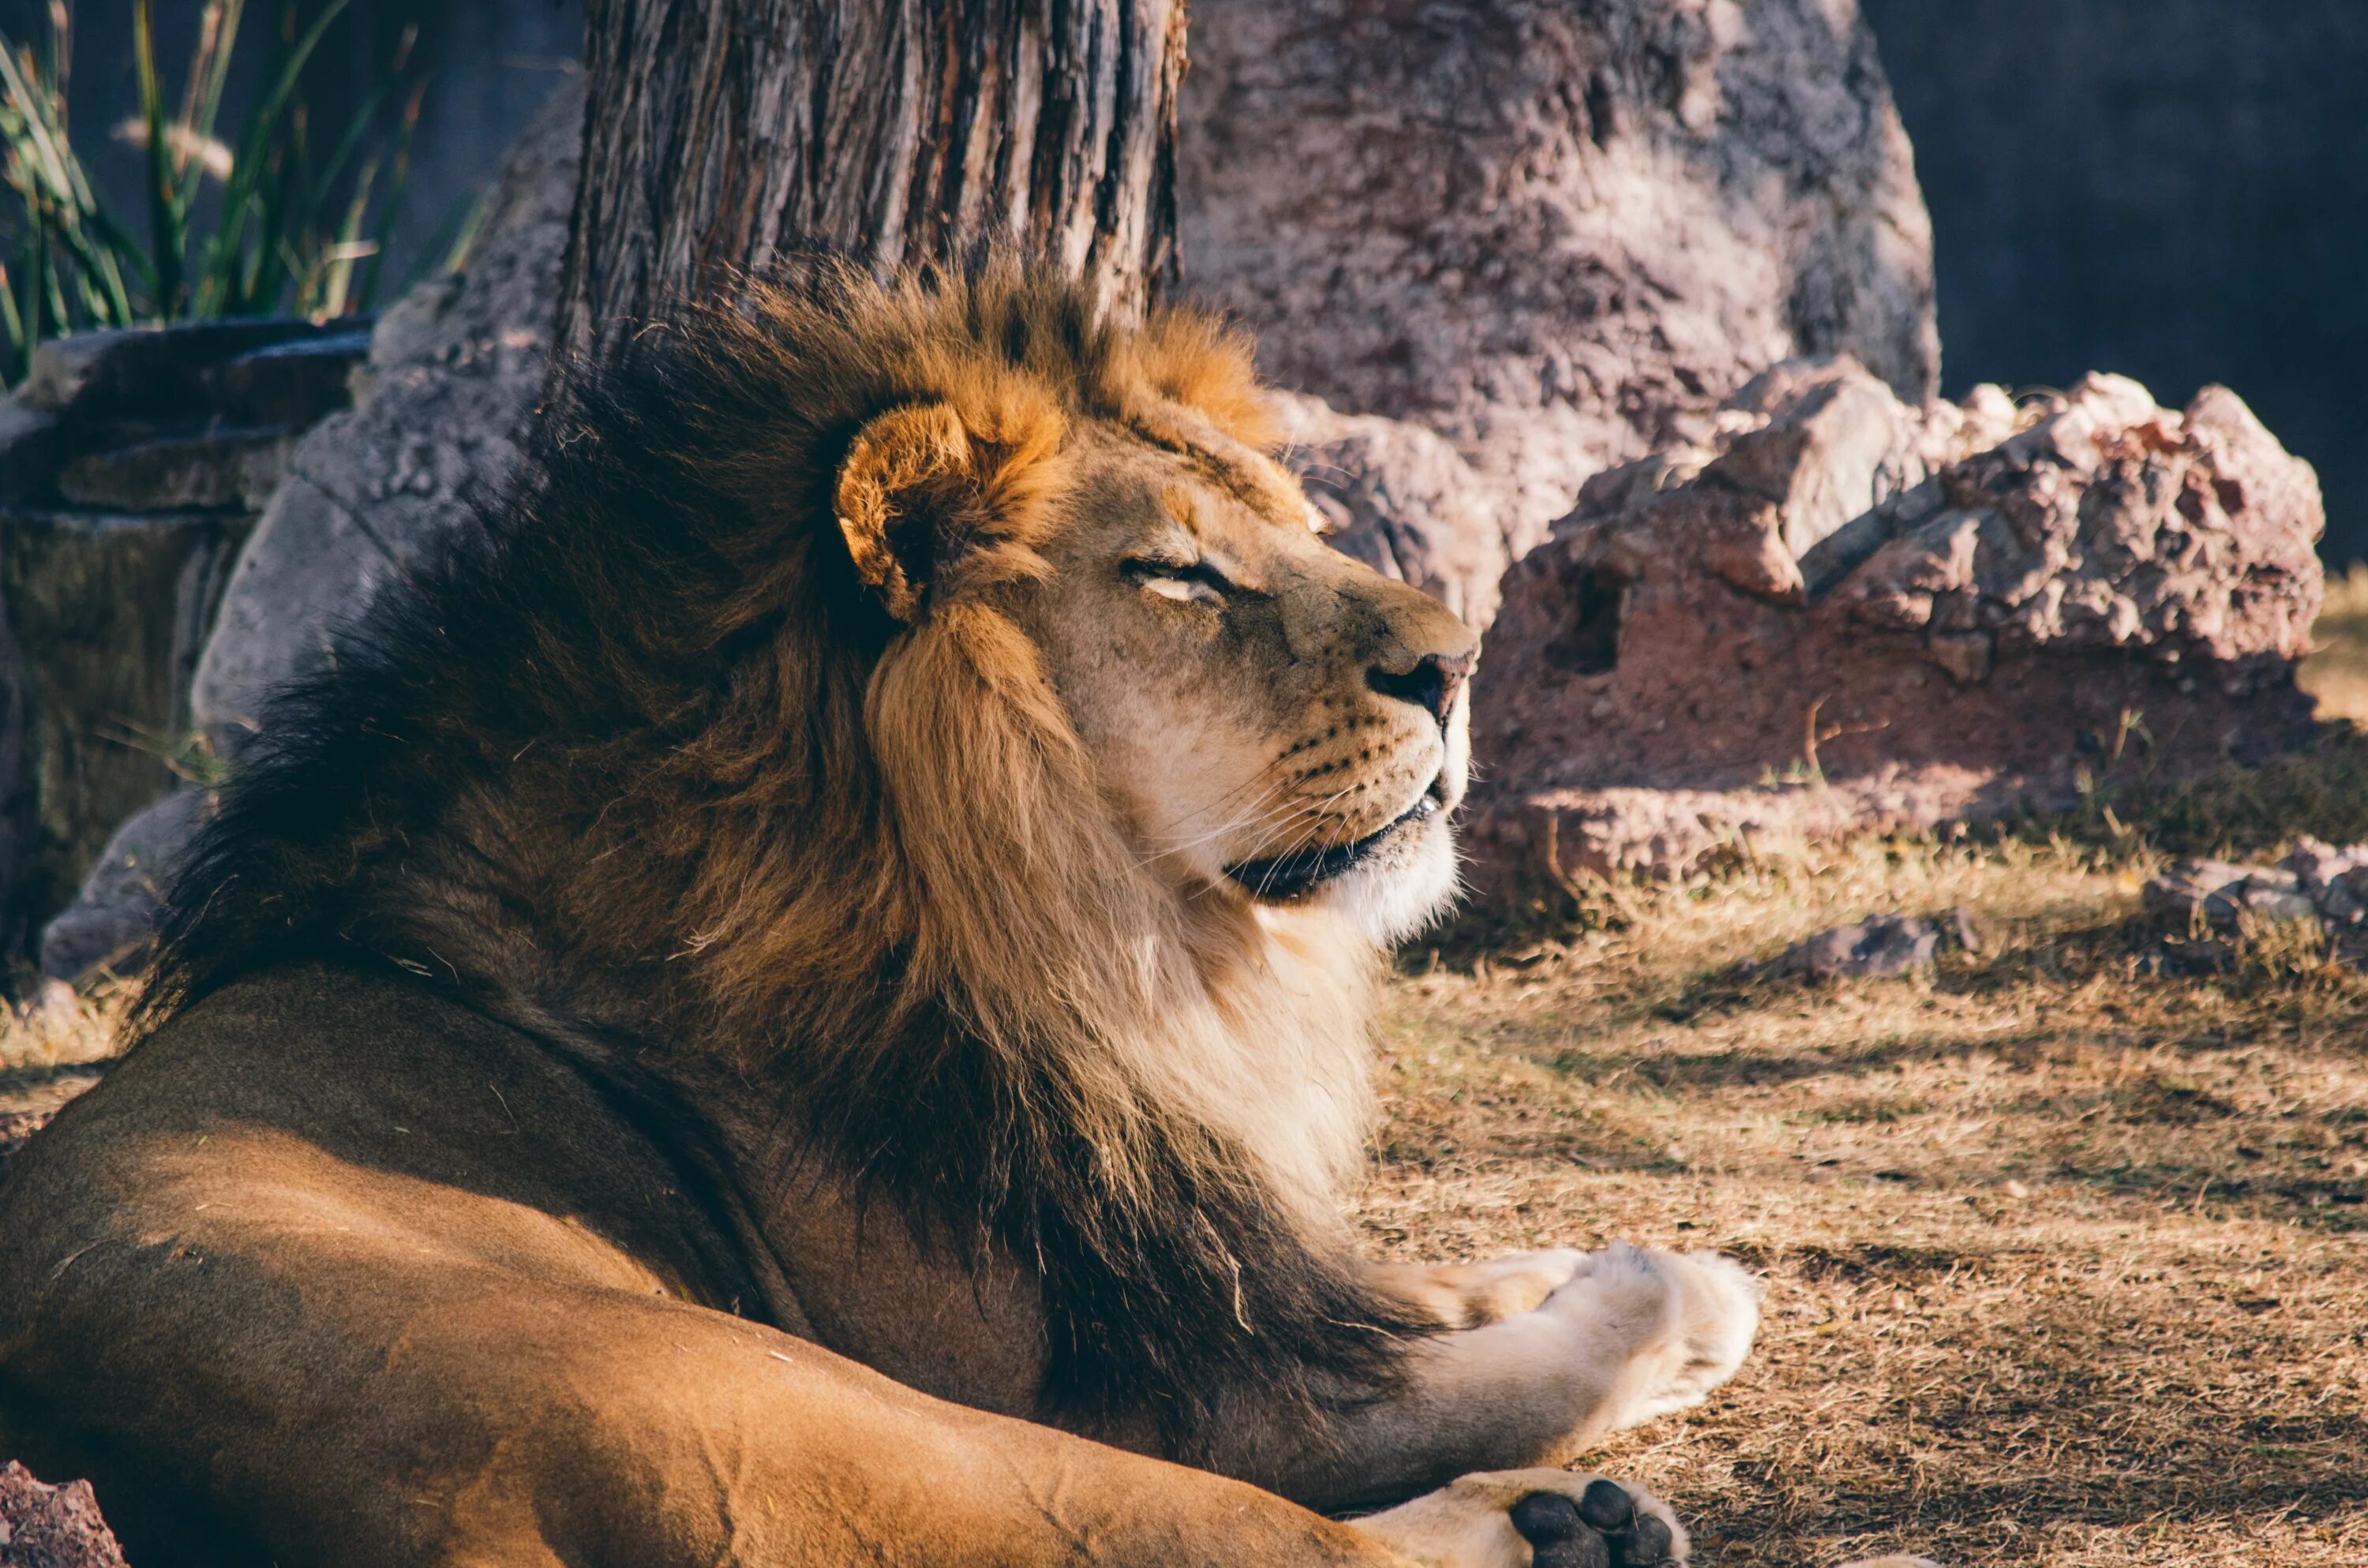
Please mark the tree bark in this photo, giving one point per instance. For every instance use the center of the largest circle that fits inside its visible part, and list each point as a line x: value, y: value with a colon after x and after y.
x: 719, y: 134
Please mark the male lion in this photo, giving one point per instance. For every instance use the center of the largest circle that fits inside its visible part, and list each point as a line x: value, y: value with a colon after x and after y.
x: 803, y: 1001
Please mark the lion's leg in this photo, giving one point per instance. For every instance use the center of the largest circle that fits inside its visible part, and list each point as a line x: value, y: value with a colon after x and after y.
x: 414, y: 1409
x: 673, y: 1435
x: 659, y: 1435
x: 1469, y: 1295
x: 862, y: 1469
x: 1631, y: 1335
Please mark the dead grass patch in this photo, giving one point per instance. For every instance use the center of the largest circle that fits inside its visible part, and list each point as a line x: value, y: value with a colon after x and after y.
x: 2337, y: 671
x: 51, y: 1049
x: 2066, y: 1260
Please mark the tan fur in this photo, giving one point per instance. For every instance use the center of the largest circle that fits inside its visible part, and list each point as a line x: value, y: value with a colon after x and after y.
x: 902, y: 838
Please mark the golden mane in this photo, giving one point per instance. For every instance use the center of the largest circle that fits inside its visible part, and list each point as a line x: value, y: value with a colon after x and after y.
x: 649, y: 771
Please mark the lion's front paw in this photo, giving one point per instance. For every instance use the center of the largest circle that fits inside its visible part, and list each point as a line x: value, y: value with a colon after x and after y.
x: 1469, y: 1295
x: 1533, y: 1518
x: 1686, y: 1320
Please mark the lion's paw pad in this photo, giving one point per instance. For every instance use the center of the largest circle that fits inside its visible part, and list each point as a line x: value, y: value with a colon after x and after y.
x: 1602, y: 1530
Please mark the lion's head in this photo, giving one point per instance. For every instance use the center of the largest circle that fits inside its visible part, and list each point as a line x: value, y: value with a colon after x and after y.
x: 925, y: 708
x: 1277, y: 723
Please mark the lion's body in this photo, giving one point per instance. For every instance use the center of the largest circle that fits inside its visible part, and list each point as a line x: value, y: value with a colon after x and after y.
x: 751, y: 1020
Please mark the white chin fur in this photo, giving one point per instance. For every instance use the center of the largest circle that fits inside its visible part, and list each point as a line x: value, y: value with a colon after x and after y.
x: 1387, y: 903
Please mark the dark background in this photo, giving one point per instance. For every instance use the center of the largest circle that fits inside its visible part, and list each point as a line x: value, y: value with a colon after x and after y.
x: 2174, y: 190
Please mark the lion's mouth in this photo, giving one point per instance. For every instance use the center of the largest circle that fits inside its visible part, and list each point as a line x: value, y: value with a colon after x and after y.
x: 1287, y: 877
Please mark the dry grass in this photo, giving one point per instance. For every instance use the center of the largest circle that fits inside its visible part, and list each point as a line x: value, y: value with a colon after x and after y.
x: 2337, y: 671
x: 2066, y: 1264
x: 51, y: 1049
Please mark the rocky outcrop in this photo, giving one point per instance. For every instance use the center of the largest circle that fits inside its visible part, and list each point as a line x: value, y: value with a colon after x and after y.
x: 1844, y: 612
x: 108, y: 927
x: 1555, y: 235
x: 2317, y: 882
x: 451, y: 378
x: 447, y: 389
x: 1401, y: 500
x: 1878, y: 947
x: 132, y: 464
x: 51, y: 1526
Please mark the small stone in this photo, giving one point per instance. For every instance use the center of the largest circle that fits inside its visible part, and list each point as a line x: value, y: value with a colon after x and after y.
x: 2345, y: 899
x: 1874, y: 948
x: 2273, y: 903
x: 2014, y: 1188
x: 52, y: 1526
x: 2205, y: 956
x: 2209, y: 890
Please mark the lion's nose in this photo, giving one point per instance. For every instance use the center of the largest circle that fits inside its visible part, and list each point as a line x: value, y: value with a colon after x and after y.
x: 1430, y: 686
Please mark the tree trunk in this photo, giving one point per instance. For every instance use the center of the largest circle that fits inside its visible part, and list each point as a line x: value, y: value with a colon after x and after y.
x: 723, y: 134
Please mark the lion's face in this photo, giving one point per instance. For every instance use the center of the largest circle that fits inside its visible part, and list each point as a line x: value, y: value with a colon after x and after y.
x: 1279, y: 722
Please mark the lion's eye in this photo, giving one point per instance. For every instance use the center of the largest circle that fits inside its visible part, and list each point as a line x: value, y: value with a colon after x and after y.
x: 1185, y: 582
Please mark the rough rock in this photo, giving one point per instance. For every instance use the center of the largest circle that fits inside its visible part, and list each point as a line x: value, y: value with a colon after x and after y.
x: 2317, y: 882
x: 1557, y: 235
x: 1876, y: 948
x: 132, y: 466
x: 1845, y: 612
x: 1401, y: 500
x: 112, y: 923
x: 1887, y: 945
x: 217, y: 469
x: 51, y: 1526
x: 451, y: 377
x: 161, y: 372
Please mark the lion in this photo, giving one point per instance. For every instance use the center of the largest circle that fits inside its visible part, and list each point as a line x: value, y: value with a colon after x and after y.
x: 801, y: 996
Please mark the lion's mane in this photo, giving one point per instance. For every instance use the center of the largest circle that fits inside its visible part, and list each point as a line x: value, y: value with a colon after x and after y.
x: 642, y: 768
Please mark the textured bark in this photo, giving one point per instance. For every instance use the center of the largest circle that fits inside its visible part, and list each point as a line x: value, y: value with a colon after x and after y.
x: 1555, y: 235
x: 725, y: 133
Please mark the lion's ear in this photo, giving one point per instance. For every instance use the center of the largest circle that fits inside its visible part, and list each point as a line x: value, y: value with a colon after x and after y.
x: 910, y: 476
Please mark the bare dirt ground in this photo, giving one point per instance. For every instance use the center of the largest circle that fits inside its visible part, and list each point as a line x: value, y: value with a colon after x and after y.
x: 2067, y: 1259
